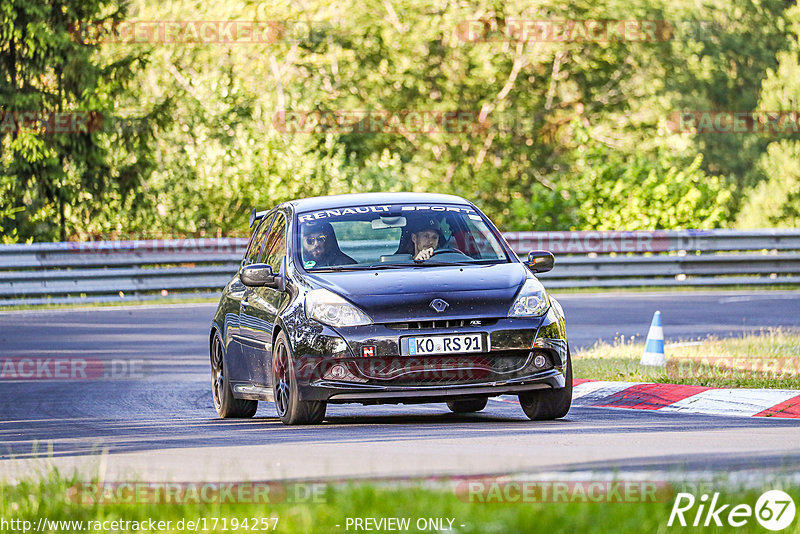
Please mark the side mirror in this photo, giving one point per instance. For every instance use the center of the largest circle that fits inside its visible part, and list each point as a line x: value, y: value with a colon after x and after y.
x: 540, y: 261
x: 259, y: 275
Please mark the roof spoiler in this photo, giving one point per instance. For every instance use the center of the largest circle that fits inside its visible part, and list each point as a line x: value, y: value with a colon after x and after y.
x: 256, y: 216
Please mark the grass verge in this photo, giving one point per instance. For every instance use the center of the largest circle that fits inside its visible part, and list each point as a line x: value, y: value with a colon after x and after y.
x: 52, y: 498
x: 770, y: 359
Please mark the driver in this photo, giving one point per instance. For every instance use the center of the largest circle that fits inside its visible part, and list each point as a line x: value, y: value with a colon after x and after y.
x: 320, y: 248
x: 425, y: 237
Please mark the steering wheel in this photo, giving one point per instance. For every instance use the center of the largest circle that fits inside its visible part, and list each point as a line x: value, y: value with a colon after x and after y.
x: 444, y: 250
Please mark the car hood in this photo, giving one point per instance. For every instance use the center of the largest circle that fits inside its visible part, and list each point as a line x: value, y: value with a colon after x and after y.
x: 406, y: 294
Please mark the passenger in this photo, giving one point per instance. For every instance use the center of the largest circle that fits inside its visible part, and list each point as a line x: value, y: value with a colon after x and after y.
x: 320, y: 247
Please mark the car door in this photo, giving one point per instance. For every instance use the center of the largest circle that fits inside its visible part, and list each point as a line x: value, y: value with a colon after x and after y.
x: 238, y: 369
x: 260, y: 305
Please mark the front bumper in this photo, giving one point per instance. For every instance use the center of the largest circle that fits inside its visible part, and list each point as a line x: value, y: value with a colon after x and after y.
x: 334, y: 392
x: 333, y: 366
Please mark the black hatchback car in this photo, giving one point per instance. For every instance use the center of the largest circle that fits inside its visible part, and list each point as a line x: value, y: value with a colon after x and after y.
x: 386, y: 298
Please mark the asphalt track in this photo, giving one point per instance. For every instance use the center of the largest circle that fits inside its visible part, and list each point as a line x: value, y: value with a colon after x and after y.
x: 161, y: 425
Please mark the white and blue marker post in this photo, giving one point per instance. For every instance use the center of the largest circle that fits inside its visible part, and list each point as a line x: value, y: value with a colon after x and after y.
x: 654, y: 346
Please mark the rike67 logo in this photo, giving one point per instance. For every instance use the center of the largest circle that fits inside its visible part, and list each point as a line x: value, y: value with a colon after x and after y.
x: 774, y: 510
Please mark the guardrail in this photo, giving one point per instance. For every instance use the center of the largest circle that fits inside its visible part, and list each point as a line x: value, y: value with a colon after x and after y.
x: 667, y: 257
x: 152, y: 269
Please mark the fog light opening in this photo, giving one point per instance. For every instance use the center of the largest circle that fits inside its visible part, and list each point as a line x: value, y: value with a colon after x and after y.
x: 338, y: 372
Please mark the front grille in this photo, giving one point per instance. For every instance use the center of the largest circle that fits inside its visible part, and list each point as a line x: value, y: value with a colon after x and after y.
x: 444, y: 369
x: 440, y: 323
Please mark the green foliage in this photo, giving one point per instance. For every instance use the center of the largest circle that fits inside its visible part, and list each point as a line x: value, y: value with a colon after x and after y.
x: 776, y: 201
x: 645, y: 191
x: 587, y: 145
x: 8, y: 213
x: 58, y: 178
x: 718, y: 64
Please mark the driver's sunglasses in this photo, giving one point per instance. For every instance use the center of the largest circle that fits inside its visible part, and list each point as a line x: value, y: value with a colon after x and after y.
x: 311, y: 240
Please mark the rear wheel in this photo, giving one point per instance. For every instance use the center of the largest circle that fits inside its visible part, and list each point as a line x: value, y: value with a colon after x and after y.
x: 467, y: 406
x: 291, y: 409
x: 547, y: 404
x: 226, y: 404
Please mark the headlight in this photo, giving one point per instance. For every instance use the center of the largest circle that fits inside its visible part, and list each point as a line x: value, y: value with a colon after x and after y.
x: 329, y: 308
x: 531, y: 302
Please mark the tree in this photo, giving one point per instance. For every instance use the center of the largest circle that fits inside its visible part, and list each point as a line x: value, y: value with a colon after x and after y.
x: 554, y: 123
x: 55, y: 98
x: 775, y: 200
x: 719, y: 64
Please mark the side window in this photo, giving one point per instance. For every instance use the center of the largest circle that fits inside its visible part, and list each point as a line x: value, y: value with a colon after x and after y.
x: 257, y: 242
x: 275, y: 247
x: 487, y: 247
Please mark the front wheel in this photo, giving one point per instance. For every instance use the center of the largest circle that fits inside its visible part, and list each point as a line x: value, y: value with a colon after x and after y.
x: 291, y: 409
x: 548, y: 404
x: 226, y: 404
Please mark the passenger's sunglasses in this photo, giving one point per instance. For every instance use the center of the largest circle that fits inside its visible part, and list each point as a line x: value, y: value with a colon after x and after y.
x: 311, y: 240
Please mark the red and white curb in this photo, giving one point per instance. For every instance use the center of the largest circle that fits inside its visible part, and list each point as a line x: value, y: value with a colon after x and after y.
x: 781, y: 403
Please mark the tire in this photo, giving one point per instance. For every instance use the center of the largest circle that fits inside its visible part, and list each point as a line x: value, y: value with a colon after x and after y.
x: 548, y: 404
x: 291, y: 410
x: 226, y: 404
x: 467, y: 406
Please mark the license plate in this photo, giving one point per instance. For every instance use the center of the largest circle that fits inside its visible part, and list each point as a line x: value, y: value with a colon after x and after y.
x: 447, y: 344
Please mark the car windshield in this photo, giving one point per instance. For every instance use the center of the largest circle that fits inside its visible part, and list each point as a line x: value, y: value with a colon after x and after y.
x: 395, y: 236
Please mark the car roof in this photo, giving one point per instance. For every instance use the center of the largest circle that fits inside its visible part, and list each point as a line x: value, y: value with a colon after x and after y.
x: 361, y: 199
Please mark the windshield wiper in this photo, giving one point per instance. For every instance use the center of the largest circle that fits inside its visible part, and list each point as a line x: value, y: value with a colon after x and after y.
x: 414, y: 263
x: 339, y: 268
x: 429, y: 263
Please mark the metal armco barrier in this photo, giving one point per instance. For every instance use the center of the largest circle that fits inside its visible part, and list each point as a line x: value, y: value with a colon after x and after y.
x: 147, y: 269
